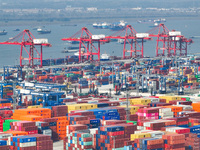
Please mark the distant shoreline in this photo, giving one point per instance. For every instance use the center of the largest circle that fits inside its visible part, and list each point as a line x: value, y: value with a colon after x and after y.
x: 84, y: 20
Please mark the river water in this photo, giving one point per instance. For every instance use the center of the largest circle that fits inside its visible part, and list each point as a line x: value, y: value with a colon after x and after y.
x: 9, y: 54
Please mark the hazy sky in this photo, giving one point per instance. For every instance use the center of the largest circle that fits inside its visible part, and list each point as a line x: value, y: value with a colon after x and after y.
x: 59, y: 4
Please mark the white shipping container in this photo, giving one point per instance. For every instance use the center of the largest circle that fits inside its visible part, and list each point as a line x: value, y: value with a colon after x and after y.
x: 142, y: 35
x: 148, y: 124
x: 28, y: 144
x: 24, y: 91
x: 47, y: 132
x: 29, y: 84
x: 174, y: 33
x: 142, y: 131
x: 176, y: 38
x: 5, y: 135
x: 166, y: 113
x: 164, y: 110
x: 97, y: 37
x: 157, y: 134
x: 40, y: 41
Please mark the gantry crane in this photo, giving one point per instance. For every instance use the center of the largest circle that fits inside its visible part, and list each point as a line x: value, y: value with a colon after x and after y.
x: 170, y: 43
x: 87, y: 42
x: 24, y: 39
x: 134, y: 40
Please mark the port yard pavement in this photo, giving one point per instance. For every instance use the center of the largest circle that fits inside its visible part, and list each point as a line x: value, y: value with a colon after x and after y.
x: 106, y: 89
x: 58, y: 145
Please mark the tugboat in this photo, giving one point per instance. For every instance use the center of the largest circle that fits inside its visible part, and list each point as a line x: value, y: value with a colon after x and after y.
x: 16, y: 30
x: 43, y: 31
x: 4, y: 32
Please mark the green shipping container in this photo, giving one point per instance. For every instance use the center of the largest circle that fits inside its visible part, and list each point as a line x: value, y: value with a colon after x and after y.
x: 134, y: 122
x: 6, y: 124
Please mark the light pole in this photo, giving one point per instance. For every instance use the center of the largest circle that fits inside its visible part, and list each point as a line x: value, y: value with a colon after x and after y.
x: 112, y: 68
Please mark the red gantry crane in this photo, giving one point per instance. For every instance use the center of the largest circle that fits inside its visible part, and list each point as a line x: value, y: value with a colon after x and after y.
x: 24, y: 39
x: 133, y: 41
x: 169, y: 43
x: 87, y: 43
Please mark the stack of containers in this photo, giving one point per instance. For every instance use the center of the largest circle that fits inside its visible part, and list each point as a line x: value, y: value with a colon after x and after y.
x: 196, y: 106
x: 179, y: 130
x: 153, y: 125
x: 33, y: 114
x: 193, y: 122
x: 78, y: 140
x: 26, y: 126
x: 195, y: 130
x: 104, y: 80
x: 174, y: 109
x: 73, y: 107
x: 181, y: 121
x: 192, y: 141
x: 83, y: 83
x: 6, y: 124
x: 140, y: 101
x: 53, y: 126
x: 23, y: 143
x: 191, y: 78
x: 148, y: 143
x: 174, y: 141
x: 4, y: 103
x: 133, y: 109
x: 72, y: 128
x: 4, y: 114
x: 43, y: 128
x: 139, y: 136
x: 59, y: 111
x: 113, y: 137
x: 165, y: 113
x: 148, y: 113
x: 1, y: 125
x: 89, y: 114
x: 62, y: 122
x: 111, y: 114
x: 3, y: 145
x: 79, y: 120
x: 95, y: 123
x: 198, y: 78
x: 7, y: 92
x: 43, y: 142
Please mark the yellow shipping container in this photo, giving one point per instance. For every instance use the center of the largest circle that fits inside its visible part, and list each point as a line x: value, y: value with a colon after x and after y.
x: 191, y: 76
x: 133, y: 109
x: 140, y: 135
x: 140, y: 101
x: 36, y: 106
x: 170, y: 98
x: 83, y: 106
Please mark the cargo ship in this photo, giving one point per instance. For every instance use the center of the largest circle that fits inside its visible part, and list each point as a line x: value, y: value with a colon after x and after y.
x: 195, y: 37
x: 154, y: 25
x: 43, y: 31
x: 160, y: 20
x: 118, y: 25
x: 105, y: 57
x: 4, y: 32
x: 105, y: 25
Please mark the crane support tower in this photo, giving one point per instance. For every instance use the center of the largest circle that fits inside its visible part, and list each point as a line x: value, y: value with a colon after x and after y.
x: 169, y: 43
x: 26, y: 39
x: 87, y: 43
x: 133, y: 41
